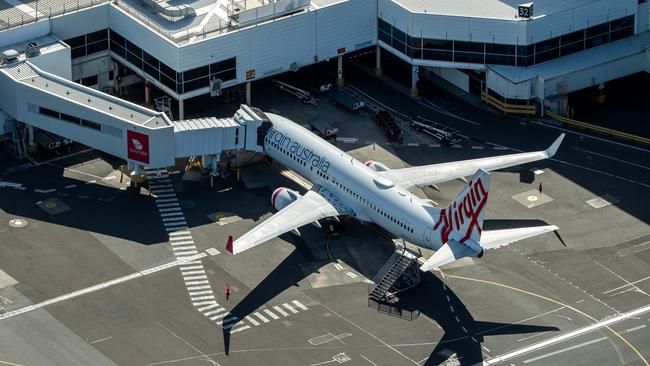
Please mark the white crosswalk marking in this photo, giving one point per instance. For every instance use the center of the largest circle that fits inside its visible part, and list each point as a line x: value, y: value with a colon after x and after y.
x: 279, y: 310
x: 201, y: 298
x: 211, y: 306
x: 196, y: 288
x: 173, y: 218
x: 192, y: 278
x: 261, y: 317
x: 219, y: 316
x: 166, y: 195
x: 298, y: 304
x: 271, y: 314
x: 175, y: 223
x: 171, y: 204
x: 164, y: 200
x: 252, y: 321
x: 188, y: 273
x: 202, y: 303
x: 232, y: 325
x: 290, y: 308
x: 193, y: 283
x: 227, y: 320
x: 183, y: 247
x: 180, y: 233
x: 189, y: 268
x: 185, y: 253
x: 240, y: 329
x: 208, y: 313
x: 182, y: 242
x: 174, y: 209
x: 204, y: 292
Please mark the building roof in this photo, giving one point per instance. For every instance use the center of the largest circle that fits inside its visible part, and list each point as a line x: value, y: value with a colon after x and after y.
x: 492, y: 9
x: 577, y: 61
x: 204, y: 123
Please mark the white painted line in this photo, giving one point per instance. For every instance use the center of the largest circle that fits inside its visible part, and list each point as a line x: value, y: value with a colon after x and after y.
x: 176, y: 228
x: 548, y: 342
x: 412, y: 144
x: 213, y: 305
x: 616, y: 159
x: 184, y: 247
x: 338, y: 266
x: 290, y: 308
x: 194, y: 262
x: 227, y: 320
x: 279, y: 310
x: 212, y: 251
x: 628, y: 284
x: 565, y: 350
x: 456, y: 146
x: 538, y: 171
x: 180, y: 233
x: 252, y: 321
x: 500, y: 148
x: 195, y: 283
x: 204, y: 292
x: 175, y: 223
x: 477, y: 147
x: 351, y: 275
x: 171, y: 214
x: 157, y: 191
x: 300, y: 305
x: 165, y: 200
x: 212, y: 312
x: 186, y: 242
x: 261, y: 317
x: 166, y: 195
x: 171, y: 204
x: 45, y: 190
x: 232, y: 325
x: 173, y: 218
x: 192, y: 278
x: 271, y: 314
x: 634, y: 329
x: 189, y: 273
x: 182, y: 253
x: 175, y: 209
x: 70, y: 186
x: 456, y: 317
x: 201, y: 298
x: 201, y: 303
x: 97, y: 287
x: 240, y: 329
x: 195, y: 288
x: 219, y: 316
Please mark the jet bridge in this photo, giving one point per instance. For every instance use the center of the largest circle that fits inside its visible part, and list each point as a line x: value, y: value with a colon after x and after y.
x: 142, y: 137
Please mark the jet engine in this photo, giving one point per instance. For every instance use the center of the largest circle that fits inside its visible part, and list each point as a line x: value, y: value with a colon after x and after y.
x: 376, y: 166
x: 282, y: 197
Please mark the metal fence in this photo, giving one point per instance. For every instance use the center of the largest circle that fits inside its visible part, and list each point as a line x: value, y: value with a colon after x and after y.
x: 14, y: 17
x: 393, y: 309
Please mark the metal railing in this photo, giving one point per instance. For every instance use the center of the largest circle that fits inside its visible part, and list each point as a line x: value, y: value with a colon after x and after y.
x: 508, y: 107
x: 45, y: 9
x: 607, y: 131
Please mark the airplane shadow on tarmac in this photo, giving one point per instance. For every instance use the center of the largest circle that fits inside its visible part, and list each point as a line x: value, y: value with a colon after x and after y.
x: 466, y: 345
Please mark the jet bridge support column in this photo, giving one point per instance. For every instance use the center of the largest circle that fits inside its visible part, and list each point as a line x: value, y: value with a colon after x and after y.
x: 181, y: 109
x: 378, y: 70
x: 340, y: 82
x: 248, y: 93
x: 415, y: 77
x: 31, y: 145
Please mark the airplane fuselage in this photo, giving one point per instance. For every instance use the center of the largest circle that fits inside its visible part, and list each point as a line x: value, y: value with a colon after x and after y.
x: 371, y: 196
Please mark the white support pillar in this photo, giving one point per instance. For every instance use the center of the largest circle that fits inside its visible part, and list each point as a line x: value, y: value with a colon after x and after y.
x: 248, y: 93
x: 181, y: 109
x: 31, y: 145
x: 339, y: 73
x: 415, y: 76
x: 378, y: 70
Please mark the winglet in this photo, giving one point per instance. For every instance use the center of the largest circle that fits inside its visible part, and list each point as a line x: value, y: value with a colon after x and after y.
x: 553, y: 148
x: 229, y: 244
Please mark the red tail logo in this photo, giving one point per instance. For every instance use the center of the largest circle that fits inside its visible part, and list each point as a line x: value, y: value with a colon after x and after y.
x: 465, y: 208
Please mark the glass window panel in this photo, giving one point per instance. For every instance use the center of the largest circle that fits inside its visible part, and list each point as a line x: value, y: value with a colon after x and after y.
x: 400, y: 46
x: 91, y: 124
x: 196, y: 73
x: 522, y: 50
x: 384, y: 37
x: 622, y: 33
x: 414, y: 52
x: 97, y: 46
x: 548, y: 55
x: 622, y: 23
x: 499, y: 59
x: 572, y: 48
x: 597, y: 41
x: 151, y: 70
x: 171, y: 84
x: 501, y: 49
x: 438, y: 44
x: 384, y: 26
x: 195, y: 84
x: 149, y: 59
x: 48, y: 112
x: 469, y: 46
x: 223, y: 65
x: 69, y: 118
x: 547, y: 45
x: 97, y: 36
x: 225, y: 75
x: 78, y: 52
x: 472, y: 57
x: 117, y: 38
x: 135, y: 50
x: 399, y: 35
x: 415, y: 42
x: 437, y: 55
x: 76, y: 41
x: 135, y: 60
x: 597, y: 30
x: 171, y: 73
x: 523, y: 61
x: 119, y: 50
x: 573, y: 37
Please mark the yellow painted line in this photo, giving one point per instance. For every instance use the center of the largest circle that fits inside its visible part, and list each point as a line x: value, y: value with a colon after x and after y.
x: 606, y: 130
x: 558, y: 303
x: 10, y: 363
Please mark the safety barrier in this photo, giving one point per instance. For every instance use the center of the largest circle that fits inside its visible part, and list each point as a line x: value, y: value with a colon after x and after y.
x: 507, y: 107
x: 607, y: 131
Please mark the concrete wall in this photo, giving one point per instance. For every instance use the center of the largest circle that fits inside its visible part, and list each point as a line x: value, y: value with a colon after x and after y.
x: 523, y: 90
x: 82, y: 22
x: 55, y: 62
x: 456, y: 77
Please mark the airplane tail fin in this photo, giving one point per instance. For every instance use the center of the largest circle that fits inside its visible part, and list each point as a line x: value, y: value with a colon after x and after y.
x: 462, y: 220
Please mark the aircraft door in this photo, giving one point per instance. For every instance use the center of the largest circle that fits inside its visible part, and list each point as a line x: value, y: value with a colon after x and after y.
x: 427, y: 234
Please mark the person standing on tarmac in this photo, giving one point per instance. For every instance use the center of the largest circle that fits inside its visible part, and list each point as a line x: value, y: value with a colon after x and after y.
x: 228, y: 292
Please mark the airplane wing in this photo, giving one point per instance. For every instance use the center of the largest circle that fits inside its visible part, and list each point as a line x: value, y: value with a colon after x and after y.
x: 453, y: 250
x: 412, y: 177
x: 317, y: 203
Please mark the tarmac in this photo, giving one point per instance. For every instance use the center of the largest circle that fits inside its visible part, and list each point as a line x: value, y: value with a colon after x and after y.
x: 304, y: 300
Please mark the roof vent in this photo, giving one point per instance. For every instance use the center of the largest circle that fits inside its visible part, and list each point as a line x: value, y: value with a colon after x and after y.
x: 32, y: 49
x: 9, y: 56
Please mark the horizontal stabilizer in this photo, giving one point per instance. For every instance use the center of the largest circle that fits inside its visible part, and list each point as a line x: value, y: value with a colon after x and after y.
x: 453, y: 251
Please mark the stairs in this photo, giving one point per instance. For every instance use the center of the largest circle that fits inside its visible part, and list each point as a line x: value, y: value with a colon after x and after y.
x: 400, y: 273
x: 15, y: 133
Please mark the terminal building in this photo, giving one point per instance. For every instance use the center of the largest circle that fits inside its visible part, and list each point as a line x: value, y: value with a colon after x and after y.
x: 88, y: 50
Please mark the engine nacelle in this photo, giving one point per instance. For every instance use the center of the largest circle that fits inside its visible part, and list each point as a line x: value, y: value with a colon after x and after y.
x: 378, y: 167
x: 282, y: 197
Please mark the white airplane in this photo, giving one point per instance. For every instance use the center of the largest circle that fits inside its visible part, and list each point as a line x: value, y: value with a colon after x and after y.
x: 372, y: 192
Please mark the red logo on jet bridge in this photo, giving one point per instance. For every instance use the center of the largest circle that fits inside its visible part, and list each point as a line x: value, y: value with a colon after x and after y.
x: 138, y: 146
